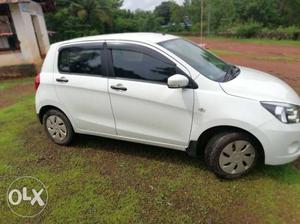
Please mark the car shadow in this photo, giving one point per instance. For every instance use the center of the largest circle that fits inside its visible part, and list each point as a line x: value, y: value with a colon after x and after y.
x: 137, y: 150
x: 283, y: 174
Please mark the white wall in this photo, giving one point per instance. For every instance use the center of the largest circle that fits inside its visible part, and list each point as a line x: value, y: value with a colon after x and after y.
x: 29, y: 53
x: 11, y: 58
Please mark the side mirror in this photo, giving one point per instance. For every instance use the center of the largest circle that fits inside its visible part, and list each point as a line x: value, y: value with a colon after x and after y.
x: 178, y: 81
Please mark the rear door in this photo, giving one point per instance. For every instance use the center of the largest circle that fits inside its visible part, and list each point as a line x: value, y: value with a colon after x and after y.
x: 81, y: 86
x: 143, y: 105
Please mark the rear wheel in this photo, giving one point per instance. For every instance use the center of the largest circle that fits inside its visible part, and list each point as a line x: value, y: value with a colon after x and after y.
x: 231, y: 155
x: 58, y: 127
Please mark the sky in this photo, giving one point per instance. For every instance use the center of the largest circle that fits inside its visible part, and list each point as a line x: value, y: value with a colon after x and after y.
x: 144, y: 4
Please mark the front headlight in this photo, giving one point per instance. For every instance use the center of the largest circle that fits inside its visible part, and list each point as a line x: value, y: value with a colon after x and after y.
x: 286, y: 113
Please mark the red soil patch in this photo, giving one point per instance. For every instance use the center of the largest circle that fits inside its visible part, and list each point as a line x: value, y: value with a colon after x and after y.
x: 13, y: 95
x: 252, y: 48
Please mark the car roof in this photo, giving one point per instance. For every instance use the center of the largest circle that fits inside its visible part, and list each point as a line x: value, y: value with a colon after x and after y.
x: 152, y: 38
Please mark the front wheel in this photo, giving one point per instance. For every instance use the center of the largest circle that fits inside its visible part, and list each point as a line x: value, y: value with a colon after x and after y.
x: 231, y: 155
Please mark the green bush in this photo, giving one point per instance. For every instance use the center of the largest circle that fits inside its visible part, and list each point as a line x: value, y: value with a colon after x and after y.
x: 256, y: 30
x: 172, y: 28
x: 247, y: 30
x: 291, y: 33
x: 281, y: 33
x: 196, y: 27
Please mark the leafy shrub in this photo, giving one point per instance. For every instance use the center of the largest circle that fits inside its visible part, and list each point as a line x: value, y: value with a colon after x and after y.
x: 196, y: 27
x: 172, y: 28
x: 291, y: 33
x: 247, y: 30
x: 281, y: 33
x: 256, y: 30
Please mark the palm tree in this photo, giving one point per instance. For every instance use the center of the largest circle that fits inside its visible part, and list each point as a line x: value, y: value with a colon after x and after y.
x: 91, y: 11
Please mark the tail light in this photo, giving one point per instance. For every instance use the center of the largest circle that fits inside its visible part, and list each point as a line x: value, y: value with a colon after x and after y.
x: 37, y: 81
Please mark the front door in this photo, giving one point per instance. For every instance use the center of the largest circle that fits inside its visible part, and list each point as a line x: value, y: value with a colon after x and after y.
x: 143, y: 105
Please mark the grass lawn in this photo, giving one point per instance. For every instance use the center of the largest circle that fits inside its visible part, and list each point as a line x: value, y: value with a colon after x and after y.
x: 99, y: 180
x: 14, y: 82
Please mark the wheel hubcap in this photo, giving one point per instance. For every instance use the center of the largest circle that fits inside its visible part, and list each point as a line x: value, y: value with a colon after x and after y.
x: 237, y: 157
x: 56, y: 128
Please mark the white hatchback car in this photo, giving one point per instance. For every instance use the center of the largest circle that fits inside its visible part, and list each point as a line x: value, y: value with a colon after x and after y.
x: 166, y: 91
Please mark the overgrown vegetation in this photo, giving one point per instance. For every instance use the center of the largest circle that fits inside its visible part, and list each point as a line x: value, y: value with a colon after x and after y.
x: 276, y: 19
x: 257, y: 30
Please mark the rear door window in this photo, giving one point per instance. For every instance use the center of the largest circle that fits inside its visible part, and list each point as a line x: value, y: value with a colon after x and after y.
x: 81, y: 60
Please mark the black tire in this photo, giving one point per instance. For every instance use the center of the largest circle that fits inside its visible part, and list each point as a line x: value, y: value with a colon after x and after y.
x: 215, y: 150
x: 69, y: 132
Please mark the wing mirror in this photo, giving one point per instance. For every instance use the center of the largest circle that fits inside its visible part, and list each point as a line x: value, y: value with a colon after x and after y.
x: 178, y: 81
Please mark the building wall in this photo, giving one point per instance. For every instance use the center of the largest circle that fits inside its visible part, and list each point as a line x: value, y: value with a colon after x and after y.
x: 23, y: 15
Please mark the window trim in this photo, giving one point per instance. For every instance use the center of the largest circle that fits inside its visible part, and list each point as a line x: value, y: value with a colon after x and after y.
x: 96, y: 46
x: 140, y: 49
x: 157, y: 49
x: 109, y: 46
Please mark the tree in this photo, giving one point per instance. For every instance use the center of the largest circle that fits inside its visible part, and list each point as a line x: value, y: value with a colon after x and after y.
x: 82, y: 17
x: 88, y: 17
x: 289, y: 12
x: 263, y: 11
x: 164, y: 11
x: 177, y: 14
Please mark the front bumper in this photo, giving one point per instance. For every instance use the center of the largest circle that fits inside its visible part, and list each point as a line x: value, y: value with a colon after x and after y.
x: 281, y: 142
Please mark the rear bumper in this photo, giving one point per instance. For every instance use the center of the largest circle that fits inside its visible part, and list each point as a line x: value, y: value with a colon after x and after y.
x: 281, y: 142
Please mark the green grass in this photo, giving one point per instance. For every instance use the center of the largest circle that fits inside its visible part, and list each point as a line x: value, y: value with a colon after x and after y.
x: 98, y: 180
x: 6, y: 84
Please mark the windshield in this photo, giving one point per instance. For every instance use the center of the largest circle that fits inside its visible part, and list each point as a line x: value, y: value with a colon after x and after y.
x: 203, y: 61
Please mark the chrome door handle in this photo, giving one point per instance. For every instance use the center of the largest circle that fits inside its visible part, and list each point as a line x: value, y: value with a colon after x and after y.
x: 62, y: 79
x: 119, y: 87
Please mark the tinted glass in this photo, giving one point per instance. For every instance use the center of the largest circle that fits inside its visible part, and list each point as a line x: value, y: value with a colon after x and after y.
x: 203, y: 61
x: 136, y: 65
x: 80, y: 61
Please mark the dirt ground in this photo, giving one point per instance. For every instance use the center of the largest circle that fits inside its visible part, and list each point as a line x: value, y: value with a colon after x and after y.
x: 14, y: 90
x: 12, y: 95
